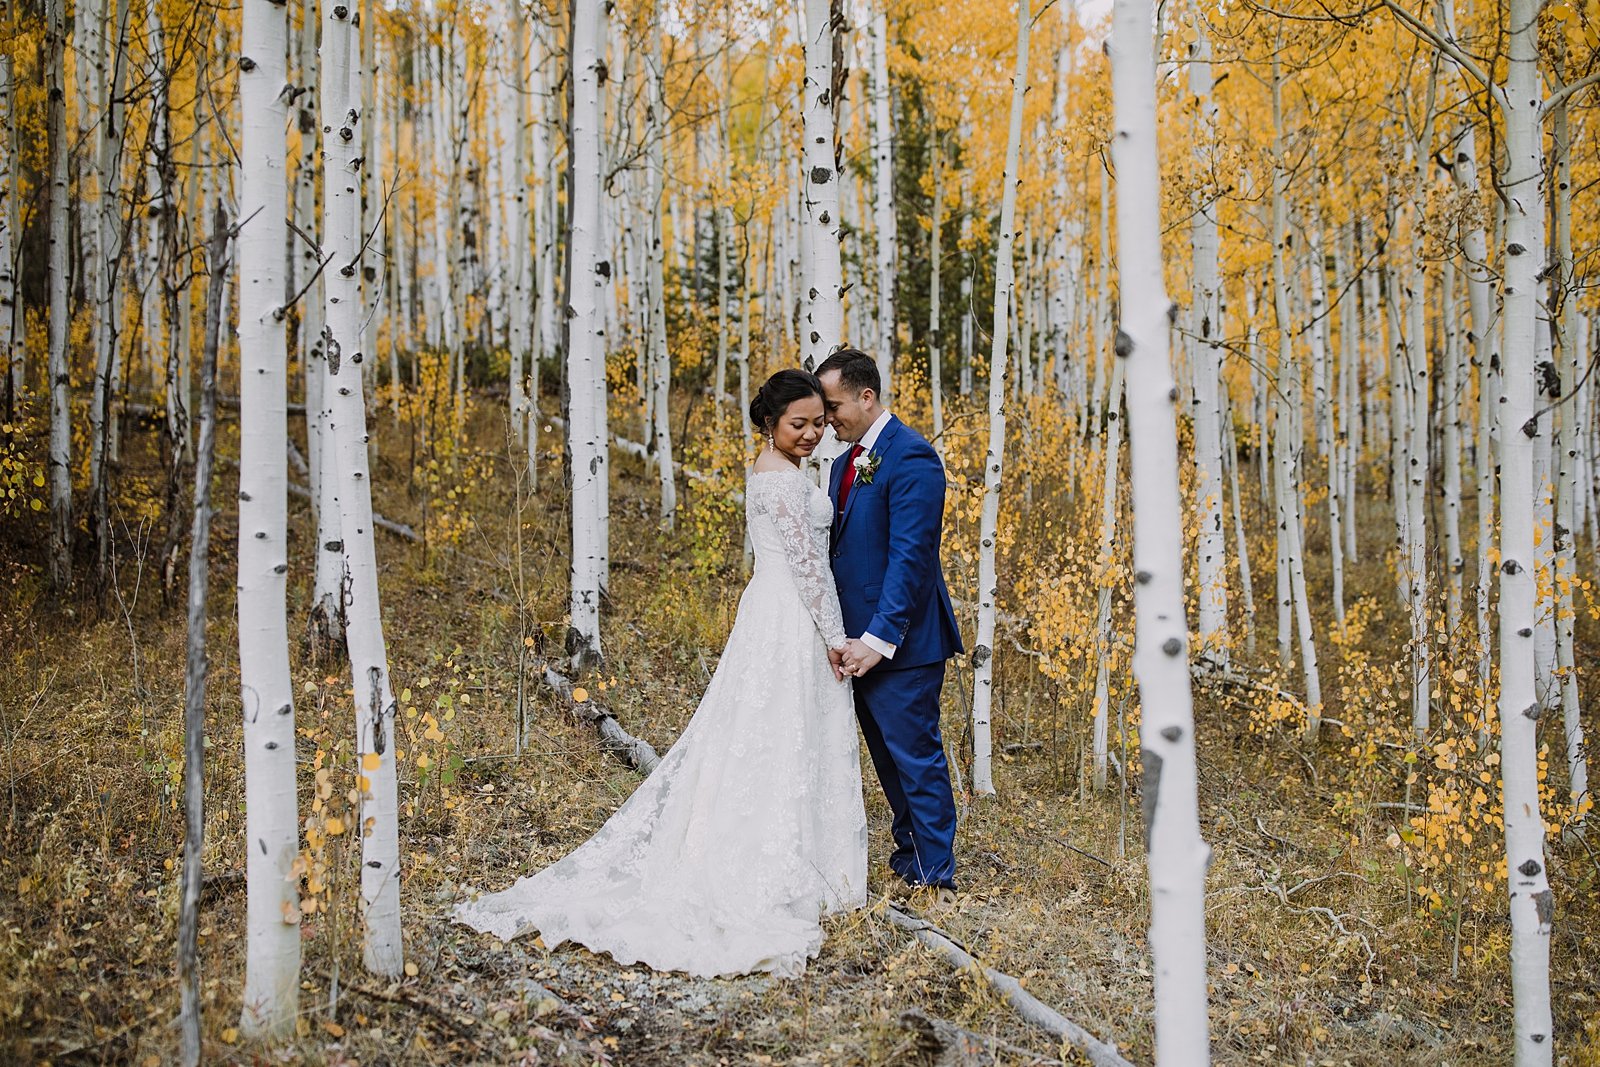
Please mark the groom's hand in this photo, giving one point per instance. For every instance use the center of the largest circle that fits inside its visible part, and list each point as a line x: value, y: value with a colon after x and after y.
x: 836, y: 658
x: 858, y: 658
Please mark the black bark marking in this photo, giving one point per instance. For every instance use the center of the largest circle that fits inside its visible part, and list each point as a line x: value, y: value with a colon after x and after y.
x: 1172, y: 646
x: 980, y: 656
x: 1124, y: 344
x: 1528, y: 868
x: 1150, y: 790
x: 1172, y: 733
x: 1544, y: 905
x: 375, y: 680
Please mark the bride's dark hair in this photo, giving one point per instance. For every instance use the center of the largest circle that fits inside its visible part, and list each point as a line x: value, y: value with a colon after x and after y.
x: 779, y: 391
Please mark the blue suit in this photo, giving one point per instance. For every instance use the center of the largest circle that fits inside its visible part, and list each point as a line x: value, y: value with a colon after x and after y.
x: 886, y: 565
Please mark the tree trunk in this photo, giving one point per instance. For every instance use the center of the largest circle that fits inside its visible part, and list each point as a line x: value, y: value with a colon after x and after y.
x: 272, y: 949
x: 1206, y: 365
x: 822, y: 306
x: 988, y: 532
x: 660, y: 357
x: 935, y: 266
x: 1176, y: 855
x: 590, y: 276
x: 60, y: 374
x: 1110, y: 459
x: 10, y: 303
x: 1531, y: 905
x: 883, y: 187
x: 383, y: 951
x: 194, y: 697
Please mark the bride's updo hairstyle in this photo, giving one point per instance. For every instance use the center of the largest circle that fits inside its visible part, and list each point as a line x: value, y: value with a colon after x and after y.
x: 779, y: 391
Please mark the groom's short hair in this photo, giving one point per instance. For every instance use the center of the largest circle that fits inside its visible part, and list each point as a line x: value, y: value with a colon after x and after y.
x: 857, y: 370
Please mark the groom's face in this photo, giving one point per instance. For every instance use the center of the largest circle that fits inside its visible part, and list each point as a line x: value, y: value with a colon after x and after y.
x: 850, y: 413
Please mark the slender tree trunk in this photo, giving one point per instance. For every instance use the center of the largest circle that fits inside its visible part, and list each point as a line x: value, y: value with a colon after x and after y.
x: 660, y: 356
x: 60, y: 385
x: 1177, y: 856
x: 10, y: 304
x: 194, y: 701
x: 1206, y: 366
x: 988, y: 533
x: 822, y: 305
x: 1287, y: 437
x: 1230, y: 455
x: 590, y: 275
x: 1104, y: 637
x: 883, y: 187
x: 1564, y: 532
x: 1531, y: 905
x: 272, y: 946
x: 383, y: 950
x: 1450, y: 422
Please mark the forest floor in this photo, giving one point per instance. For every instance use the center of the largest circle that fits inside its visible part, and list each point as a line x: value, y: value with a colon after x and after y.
x: 1319, y: 950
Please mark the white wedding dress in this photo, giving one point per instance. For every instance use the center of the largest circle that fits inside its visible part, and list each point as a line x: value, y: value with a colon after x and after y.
x: 725, y: 858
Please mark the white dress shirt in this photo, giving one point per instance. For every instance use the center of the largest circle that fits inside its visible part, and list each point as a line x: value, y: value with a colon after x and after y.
x: 868, y: 440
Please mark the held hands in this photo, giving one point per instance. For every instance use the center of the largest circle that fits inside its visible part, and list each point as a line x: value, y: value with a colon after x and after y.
x: 836, y: 660
x: 857, y: 659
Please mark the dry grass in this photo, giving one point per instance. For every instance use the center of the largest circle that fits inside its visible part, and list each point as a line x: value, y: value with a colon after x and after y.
x: 1339, y: 968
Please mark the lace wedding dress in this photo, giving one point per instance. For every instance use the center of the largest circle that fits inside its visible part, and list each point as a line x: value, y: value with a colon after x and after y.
x: 725, y: 858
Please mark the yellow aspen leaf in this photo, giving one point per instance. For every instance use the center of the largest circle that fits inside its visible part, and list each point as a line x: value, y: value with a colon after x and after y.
x: 579, y: 695
x: 335, y: 826
x: 333, y: 1028
x: 230, y: 1036
x: 411, y: 969
x: 370, y: 761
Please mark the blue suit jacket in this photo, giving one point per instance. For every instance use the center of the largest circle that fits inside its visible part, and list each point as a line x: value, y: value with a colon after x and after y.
x: 886, y: 551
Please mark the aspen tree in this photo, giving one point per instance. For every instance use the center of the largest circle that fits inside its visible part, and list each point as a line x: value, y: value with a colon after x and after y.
x: 545, y: 334
x: 58, y: 369
x: 1111, y: 453
x: 108, y: 221
x: 272, y: 938
x: 1570, y: 370
x: 590, y: 277
x: 883, y: 192
x: 988, y: 532
x: 1287, y: 438
x: 656, y: 307
x: 822, y: 306
x: 10, y: 304
x: 1450, y: 442
x: 1206, y: 361
x: 1176, y: 855
x: 513, y: 177
x: 382, y: 949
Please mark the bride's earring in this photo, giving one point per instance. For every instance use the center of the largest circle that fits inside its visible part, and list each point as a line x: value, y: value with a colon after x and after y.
x: 772, y: 443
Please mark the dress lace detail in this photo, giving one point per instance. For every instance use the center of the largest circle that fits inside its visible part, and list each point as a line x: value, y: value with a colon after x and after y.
x: 752, y: 827
x: 802, y: 515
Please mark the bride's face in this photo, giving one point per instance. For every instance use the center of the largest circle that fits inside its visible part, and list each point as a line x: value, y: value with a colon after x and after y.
x: 799, y: 429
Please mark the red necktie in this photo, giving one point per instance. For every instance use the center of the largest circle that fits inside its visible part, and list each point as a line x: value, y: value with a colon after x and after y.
x: 849, y: 478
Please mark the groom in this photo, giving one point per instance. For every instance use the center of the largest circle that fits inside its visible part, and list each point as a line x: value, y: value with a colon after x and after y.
x: 888, y: 497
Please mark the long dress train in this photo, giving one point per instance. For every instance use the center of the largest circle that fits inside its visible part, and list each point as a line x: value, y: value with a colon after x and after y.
x: 725, y: 858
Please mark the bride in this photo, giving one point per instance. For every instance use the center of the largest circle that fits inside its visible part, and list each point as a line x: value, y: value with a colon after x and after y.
x: 752, y: 828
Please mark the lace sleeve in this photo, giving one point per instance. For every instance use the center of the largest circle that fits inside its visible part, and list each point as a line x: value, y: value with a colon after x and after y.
x: 788, y: 500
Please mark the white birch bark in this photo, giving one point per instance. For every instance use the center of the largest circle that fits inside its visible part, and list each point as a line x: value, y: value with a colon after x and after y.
x: 660, y: 358
x: 513, y: 174
x: 1230, y: 458
x: 111, y: 226
x: 383, y: 951
x: 989, y: 523
x: 1104, y: 637
x: 822, y: 306
x: 1176, y: 855
x: 1206, y: 364
x: 59, y: 369
x: 10, y: 305
x: 1531, y: 905
x: 883, y: 191
x: 1450, y: 441
x: 1567, y: 518
x: 589, y: 275
x: 545, y: 334
x: 272, y: 939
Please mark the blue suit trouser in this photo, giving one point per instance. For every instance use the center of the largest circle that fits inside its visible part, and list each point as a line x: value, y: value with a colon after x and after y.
x: 899, y: 715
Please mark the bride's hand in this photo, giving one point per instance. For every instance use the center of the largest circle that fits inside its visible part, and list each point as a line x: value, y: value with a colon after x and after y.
x: 836, y: 659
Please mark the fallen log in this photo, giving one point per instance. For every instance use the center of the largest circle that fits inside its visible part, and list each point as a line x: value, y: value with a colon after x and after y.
x: 399, y: 529
x: 955, y: 1046
x: 613, y: 738
x: 1030, y: 1007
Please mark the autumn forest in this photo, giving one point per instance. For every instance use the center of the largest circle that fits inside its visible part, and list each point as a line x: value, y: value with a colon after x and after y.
x: 375, y: 420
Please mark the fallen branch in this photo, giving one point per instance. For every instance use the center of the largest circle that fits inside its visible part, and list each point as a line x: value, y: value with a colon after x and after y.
x: 1030, y: 1007
x: 613, y: 738
x: 956, y: 1046
x: 399, y: 529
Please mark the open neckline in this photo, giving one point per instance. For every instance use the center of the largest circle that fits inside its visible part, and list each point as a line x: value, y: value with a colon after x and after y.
x: 791, y: 470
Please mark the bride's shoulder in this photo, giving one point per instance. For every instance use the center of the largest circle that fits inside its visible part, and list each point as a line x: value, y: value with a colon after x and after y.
x: 776, y: 479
